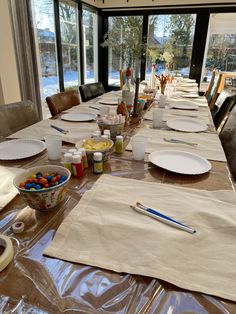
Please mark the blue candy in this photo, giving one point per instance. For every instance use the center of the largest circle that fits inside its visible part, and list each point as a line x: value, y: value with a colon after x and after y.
x: 49, y: 178
x: 28, y: 186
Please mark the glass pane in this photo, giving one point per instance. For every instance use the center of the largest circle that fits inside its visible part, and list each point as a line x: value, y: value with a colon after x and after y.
x: 170, y: 40
x: 43, y: 18
x: 220, y: 49
x: 124, y: 42
x: 68, y: 12
x: 90, y: 46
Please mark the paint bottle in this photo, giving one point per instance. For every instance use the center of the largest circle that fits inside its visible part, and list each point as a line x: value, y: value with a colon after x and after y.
x: 97, y: 163
x: 119, y: 144
x: 106, y: 136
x: 107, y: 132
x: 68, y: 161
x: 84, y: 158
x: 77, y: 165
x: 72, y: 151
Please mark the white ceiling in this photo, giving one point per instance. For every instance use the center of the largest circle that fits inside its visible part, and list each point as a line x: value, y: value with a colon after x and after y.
x: 147, y: 3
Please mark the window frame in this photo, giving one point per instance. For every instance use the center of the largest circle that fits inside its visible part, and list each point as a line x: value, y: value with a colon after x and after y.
x: 200, y: 35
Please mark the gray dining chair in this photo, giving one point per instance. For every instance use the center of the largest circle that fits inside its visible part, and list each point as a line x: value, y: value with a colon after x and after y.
x: 17, y: 116
x: 223, y: 105
x: 62, y: 101
x: 228, y: 140
x: 91, y: 90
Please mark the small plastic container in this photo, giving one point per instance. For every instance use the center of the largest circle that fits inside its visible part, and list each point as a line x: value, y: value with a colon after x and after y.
x: 77, y: 165
x: 107, y: 132
x: 82, y: 151
x: 68, y: 161
x: 72, y: 151
x: 119, y: 146
x: 94, y: 135
x: 98, y: 133
x: 105, y: 136
x: 97, y: 163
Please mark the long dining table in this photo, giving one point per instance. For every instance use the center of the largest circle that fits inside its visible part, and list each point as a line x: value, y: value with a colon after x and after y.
x: 35, y: 283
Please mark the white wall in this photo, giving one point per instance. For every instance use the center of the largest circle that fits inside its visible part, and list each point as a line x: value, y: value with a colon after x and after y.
x: 146, y: 3
x: 8, y: 70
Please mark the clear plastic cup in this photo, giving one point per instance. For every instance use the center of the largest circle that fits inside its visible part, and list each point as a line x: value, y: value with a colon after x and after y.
x: 53, y: 144
x: 157, y: 117
x: 162, y: 101
x: 139, y: 144
x: 170, y: 90
x: 104, y: 110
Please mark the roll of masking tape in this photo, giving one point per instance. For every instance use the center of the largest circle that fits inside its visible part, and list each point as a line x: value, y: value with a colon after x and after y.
x: 18, y: 227
x: 7, y: 255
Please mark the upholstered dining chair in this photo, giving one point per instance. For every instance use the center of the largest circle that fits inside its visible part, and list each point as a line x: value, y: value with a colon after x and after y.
x: 62, y: 101
x: 228, y: 140
x: 90, y: 91
x: 223, y: 113
x: 17, y: 116
x: 207, y: 93
x: 220, y: 107
x: 211, y: 99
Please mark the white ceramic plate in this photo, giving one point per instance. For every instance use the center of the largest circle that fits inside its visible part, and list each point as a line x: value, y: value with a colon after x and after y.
x: 180, y: 162
x: 109, y: 101
x: 190, y: 95
x: 21, y: 148
x: 188, y: 80
x: 188, y: 85
x: 184, y: 106
x: 187, y: 125
x: 78, y: 117
x: 186, y: 90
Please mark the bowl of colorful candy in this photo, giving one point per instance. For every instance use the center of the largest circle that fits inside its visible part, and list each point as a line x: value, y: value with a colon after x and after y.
x: 114, y: 123
x: 97, y: 144
x: 43, y: 187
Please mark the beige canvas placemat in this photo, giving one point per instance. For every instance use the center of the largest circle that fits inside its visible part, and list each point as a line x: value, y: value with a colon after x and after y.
x: 77, y: 130
x: 7, y: 189
x: 209, y: 145
x: 102, y: 230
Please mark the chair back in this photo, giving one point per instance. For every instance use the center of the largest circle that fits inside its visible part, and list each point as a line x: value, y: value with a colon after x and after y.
x: 214, y: 92
x: 17, y: 116
x: 224, y: 111
x: 220, y: 102
x: 228, y: 140
x: 210, y: 84
x: 62, y: 101
x: 90, y: 91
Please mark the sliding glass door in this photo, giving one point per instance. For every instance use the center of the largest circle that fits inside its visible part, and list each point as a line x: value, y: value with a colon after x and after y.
x: 44, y: 30
x: 220, y: 49
x: 170, y: 41
x: 90, y: 40
x: 124, y: 40
x: 58, y: 36
x: 69, y: 28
